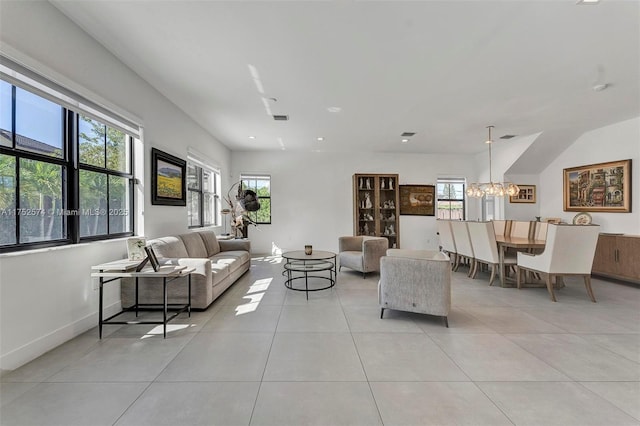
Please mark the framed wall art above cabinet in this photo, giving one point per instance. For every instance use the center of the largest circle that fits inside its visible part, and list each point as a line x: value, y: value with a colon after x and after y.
x: 376, y: 206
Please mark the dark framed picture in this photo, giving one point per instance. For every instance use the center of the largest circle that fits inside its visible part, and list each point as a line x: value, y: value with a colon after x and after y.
x: 417, y: 200
x: 168, y: 181
x: 151, y: 255
x: 527, y: 194
x: 603, y: 187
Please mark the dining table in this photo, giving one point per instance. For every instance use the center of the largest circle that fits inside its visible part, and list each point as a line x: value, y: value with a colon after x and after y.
x: 518, y: 243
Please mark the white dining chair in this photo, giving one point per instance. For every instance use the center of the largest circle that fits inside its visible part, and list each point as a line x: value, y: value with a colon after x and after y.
x: 569, y: 251
x: 485, y: 248
x: 541, y: 231
x: 499, y: 227
x: 447, y: 242
x: 520, y: 229
x: 463, y: 243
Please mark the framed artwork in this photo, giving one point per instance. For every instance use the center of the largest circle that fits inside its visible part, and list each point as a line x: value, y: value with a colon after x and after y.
x: 417, y: 200
x: 168, y: 182
x: 603, y: 187
x: 527, y: 194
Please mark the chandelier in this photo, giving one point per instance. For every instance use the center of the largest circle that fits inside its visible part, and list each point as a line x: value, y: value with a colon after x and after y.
x: 491, y: 188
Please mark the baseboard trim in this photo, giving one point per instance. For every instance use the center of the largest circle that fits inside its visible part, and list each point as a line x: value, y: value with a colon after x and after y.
x: 32, y: 350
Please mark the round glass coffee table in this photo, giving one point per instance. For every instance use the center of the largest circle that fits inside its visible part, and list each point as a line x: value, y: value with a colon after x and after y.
x: 302, y: 266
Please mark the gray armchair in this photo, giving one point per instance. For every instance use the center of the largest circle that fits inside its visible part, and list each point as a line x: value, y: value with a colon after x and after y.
x: 362, y: 253
x: 415, y: 281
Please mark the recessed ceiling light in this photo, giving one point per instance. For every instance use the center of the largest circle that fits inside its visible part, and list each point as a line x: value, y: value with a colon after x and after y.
x: 334, y: 109
x: 588, y: 2
x: 252, y: 137
x: 405, y: 140
x: 320, y: 138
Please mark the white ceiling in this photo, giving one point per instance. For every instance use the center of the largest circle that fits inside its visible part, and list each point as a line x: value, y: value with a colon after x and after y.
x: 442, y: 69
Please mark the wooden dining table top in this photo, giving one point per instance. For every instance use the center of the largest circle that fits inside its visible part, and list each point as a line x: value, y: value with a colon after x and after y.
x: 519, y: 242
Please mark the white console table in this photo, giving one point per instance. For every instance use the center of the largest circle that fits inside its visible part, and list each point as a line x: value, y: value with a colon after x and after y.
x: 112, y: 271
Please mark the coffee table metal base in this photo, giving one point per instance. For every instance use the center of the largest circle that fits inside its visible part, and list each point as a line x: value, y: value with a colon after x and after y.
x: 305, y: 267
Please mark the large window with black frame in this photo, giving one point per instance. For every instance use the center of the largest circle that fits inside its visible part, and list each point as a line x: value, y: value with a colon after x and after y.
x: 451, y: 202
x: 261, y: 185
x: 64, y: 177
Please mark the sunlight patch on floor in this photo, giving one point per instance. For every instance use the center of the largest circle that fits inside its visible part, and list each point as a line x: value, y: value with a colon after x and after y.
x: 255, y: 293
x: 158, y: 330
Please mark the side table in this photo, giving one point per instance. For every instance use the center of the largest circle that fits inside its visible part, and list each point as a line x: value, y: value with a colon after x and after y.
x: 111, y: 271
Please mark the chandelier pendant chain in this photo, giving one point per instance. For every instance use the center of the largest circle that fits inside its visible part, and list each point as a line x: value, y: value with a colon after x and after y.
x: 499, y: 189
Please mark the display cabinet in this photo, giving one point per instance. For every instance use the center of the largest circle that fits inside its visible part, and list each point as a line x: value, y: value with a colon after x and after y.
x: 376, y: 201
x: 618, y: 256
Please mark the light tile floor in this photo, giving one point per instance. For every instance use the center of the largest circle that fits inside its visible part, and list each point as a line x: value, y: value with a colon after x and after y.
x: 264, y: 355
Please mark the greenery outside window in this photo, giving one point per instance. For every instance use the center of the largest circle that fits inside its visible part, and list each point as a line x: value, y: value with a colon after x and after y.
x: 451, y: 202
x: 261, y: 184
x: 63, y: 176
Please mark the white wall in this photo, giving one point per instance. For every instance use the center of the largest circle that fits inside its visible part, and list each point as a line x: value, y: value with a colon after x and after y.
x: 523, y: 211
x: 47, y: 296
x: 312, y: 194
x: 619, y: 141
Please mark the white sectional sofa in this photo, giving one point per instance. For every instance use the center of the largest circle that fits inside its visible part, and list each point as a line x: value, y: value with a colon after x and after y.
x: 218, y: 265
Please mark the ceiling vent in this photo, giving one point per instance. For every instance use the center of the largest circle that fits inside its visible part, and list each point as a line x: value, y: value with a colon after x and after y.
x: 408, y: 134
x: 281, y: 117
x: 507, y: 136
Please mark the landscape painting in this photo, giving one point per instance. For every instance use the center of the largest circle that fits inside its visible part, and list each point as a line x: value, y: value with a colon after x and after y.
x: 604, y: 187
x: 168, y: 186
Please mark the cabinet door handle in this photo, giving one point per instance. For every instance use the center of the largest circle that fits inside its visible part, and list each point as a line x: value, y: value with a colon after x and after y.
x: 617, y: 255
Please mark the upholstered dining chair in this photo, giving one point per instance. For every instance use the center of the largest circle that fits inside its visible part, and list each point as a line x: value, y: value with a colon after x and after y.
x: 361, y: 253
x: 463, y: 243
x: 415, y: 281
x: 499, y: 226
x: 485, y: 248
x: 520, y: 229
x: 447, y: 242
x: 541, y: 231
x: 569, y: 250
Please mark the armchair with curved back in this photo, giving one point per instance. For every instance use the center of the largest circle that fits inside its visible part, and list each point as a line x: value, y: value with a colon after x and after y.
x: 362, y: 253
x: 569, y: 250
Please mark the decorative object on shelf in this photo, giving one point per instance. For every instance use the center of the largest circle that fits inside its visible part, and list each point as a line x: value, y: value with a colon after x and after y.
x: 308, y: 249
x: 168, y: 183
x: 491, y: 188
x: 135, y: 248
x: 244, y: 201
x: 368, y: 183
x: 367, y: 201
x: 417, y: 200
x: 526, y: 194
x: 604, y: 187
x: 583, y: 218
x: 382, y: 183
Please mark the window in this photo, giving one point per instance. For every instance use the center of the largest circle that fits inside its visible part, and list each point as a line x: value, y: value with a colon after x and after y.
x: 451, y: 204
x: 64, y: 177
x: 261, y: 184
x: 203, y: 200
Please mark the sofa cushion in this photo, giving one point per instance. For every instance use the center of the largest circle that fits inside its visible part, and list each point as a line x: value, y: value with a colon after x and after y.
x: 169, y: 247
x: 194, y: 244
x: 210, y: 242
x: 234, y: 259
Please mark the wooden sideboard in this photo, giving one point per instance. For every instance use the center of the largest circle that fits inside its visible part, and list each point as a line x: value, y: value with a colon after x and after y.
x: 618, y: 256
